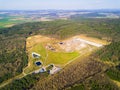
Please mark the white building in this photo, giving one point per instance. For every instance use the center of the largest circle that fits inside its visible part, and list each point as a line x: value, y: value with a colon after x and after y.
x: 54, y: 70
x: 35, y: 55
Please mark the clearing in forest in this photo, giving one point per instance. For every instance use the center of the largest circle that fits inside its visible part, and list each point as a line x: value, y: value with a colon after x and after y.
x: 58, y: 52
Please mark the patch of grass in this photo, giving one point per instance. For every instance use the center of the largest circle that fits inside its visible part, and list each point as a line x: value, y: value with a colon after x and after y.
x: 114, y: 74
x: 48, y: 57
x: 7, y: 21
x: 60, y: 57
x: 39, y: 48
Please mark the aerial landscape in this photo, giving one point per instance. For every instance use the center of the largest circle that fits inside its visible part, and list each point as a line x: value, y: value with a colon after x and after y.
x: 60, y: 45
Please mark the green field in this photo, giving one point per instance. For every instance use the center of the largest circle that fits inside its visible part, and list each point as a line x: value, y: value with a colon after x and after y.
x: 60, y: 57
x: 49, y: 57
x: 8, y: 21
x: 32, y: 67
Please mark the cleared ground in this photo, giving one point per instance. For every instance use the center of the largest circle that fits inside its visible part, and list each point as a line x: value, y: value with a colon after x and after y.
x: 58, y: 52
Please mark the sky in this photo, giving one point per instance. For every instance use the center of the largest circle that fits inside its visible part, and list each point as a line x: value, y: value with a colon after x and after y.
x: 58, y: 4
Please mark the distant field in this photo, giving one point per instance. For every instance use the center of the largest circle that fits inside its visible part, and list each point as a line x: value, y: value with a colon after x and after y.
x: 8, y: 21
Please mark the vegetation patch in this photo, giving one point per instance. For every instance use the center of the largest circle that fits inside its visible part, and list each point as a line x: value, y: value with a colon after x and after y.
x: 114, y: 74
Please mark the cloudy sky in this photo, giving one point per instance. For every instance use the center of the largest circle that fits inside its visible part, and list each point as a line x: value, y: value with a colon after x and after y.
x: 58, y: 4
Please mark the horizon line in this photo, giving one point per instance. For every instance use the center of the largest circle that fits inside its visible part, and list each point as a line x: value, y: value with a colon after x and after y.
x: 53, y: 9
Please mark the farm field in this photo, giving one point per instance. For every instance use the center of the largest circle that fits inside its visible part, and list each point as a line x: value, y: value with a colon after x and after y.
x: 9, y: 21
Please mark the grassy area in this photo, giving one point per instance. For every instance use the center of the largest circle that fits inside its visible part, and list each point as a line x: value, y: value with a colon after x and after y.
x: 60, y: 57
x: 39, y: 48
x: 114, y: 74
x: 9, y: 21
x: 48, y: 57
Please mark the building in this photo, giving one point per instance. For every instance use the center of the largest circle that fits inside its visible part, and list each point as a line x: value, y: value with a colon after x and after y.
x: 35, y: 55
x: 54, y: 70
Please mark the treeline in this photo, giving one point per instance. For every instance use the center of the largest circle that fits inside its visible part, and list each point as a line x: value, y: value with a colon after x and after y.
x: 110, y: 53
x: 101, y: 28
x: 114, y: 74
x: 13, y: 56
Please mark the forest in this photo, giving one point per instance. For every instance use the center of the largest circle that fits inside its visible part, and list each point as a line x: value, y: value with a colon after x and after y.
x: 14, y: 57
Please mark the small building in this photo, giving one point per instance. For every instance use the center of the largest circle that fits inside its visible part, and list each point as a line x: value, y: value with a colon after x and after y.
x: 54, y: 70
x: 42, y: 70
x: 35, y: 55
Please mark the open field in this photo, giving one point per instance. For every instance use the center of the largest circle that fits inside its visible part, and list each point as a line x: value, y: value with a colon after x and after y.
x: 10, y: 21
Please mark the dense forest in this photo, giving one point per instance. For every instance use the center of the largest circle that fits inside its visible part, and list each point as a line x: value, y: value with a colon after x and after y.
x: 14, y: 57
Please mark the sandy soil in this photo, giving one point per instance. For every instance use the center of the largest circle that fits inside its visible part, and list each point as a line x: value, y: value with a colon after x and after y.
x: 95, y: 40
x: 71, y: 44
x: 31, y: 41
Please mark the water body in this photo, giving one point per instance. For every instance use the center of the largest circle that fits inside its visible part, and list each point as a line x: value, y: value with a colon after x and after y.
x: 38, y: 63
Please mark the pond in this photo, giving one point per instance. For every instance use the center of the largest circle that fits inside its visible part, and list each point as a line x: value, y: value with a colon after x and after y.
x: 38, y: 63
